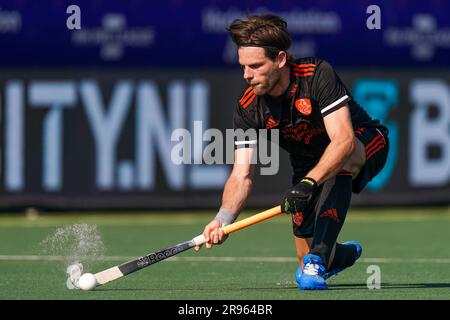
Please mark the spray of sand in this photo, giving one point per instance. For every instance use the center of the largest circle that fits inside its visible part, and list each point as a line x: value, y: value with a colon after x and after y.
x: 80, y: 244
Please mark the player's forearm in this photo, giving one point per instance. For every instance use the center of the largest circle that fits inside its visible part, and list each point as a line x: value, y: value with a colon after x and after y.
x: 333, y: 159
x: 236, y: 192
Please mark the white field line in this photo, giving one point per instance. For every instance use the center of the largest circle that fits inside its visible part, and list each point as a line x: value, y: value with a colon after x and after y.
x: 216, y: 259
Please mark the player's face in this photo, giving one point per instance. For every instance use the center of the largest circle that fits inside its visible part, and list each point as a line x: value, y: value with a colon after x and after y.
x: 260, y: 72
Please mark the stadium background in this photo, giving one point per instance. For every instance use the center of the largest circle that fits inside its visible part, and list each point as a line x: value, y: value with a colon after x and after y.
x: 86, y: 115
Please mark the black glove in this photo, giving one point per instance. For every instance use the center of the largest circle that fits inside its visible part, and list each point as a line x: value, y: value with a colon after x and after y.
x: 297, y: 197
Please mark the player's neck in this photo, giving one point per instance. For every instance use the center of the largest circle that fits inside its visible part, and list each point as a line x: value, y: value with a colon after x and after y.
x: 283, y: 84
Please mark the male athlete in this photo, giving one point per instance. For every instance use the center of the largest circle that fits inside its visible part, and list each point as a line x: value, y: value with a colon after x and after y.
x: 335, y: 147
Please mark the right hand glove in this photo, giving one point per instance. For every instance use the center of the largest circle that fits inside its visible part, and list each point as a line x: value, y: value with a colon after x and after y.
x: 296, y: 198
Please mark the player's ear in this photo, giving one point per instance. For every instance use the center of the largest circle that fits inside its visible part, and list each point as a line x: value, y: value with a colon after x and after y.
x: 282, y: 59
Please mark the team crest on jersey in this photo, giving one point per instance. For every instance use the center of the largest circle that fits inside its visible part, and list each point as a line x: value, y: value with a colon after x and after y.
x: 297, y: 218
x: 303, y: 105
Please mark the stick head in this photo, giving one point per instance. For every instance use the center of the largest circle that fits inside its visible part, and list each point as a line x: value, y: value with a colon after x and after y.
x: 74, y: 272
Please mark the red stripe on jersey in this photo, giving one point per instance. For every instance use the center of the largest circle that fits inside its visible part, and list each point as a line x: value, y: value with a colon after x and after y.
x: 271, y: 123
x: 245, y: 94
x: 248, y: 97
x: 250, y: 100
x: 303, y: 74
x: 303, y: 69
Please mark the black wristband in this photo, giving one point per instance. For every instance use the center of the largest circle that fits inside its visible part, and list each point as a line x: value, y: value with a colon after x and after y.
x: 309, y: 181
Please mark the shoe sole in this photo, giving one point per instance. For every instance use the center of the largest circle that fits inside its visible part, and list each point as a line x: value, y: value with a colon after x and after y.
x: 311, y: 288
x: 308, y: 284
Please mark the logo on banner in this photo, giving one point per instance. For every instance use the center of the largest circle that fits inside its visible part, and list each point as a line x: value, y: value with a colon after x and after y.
x: 10, y: 21
x: 379, y: 97
x: 114, y: 36
x: 429, y: 133
x: 423, y: 37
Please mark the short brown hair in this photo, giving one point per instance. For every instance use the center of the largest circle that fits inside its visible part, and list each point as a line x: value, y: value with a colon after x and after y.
x: 267, y: 31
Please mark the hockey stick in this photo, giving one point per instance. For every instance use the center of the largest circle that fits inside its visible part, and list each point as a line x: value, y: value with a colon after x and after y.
x: 126, y: 268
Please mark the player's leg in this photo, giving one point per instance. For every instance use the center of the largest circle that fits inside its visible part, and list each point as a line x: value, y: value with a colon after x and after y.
x: 330, y: 216
x: 344, y: 255
x: 333, y: 205
x: 302, y: 248
x: 356, y: 161
x: 303, y: 228
x: 330, y: 212
x: 375, y: 148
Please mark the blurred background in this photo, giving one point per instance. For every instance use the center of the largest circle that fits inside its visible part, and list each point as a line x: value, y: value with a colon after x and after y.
x: 91, y: 91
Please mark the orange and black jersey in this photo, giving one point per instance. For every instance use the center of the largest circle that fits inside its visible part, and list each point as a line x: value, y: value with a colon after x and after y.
x: 314, y: 92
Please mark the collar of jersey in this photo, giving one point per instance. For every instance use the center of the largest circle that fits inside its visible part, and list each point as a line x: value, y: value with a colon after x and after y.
x: 286, y: 99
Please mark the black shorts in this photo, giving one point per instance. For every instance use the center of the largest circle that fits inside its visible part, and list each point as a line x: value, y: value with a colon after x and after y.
x: 376, y: 143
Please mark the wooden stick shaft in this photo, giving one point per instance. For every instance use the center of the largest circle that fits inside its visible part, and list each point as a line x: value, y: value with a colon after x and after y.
x: 200, y: 239
x: 252, y: 220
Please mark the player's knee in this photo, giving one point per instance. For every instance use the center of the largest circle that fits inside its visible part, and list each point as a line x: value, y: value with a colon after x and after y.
x: 357, y: 160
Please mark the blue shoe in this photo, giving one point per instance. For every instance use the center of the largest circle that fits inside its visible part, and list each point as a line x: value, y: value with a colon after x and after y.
x: 357, y: 255
x: 312, y: 277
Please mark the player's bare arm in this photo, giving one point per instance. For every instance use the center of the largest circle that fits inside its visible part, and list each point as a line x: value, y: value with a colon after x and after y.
x: 239, y: 184
x: 235, y: 194
x: 341, y: 148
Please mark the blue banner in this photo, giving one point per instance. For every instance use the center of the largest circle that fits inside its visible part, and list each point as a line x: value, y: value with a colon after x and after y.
x: 186, y: 33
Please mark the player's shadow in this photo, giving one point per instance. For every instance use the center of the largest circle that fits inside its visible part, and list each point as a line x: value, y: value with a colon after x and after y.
x: 390, y: 286
x: 354, y: 286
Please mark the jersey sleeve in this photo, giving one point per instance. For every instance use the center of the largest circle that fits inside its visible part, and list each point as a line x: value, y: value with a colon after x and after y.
x: 328, y: 90
x: 245, y: 129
